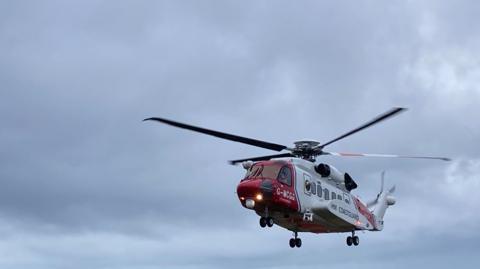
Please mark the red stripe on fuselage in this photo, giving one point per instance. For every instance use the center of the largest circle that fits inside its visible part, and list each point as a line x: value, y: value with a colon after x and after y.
x: 362, y: 209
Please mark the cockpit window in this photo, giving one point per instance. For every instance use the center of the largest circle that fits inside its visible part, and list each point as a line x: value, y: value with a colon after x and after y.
x: 254, y: 171
x: 271, y: 171
x: 285, y: 176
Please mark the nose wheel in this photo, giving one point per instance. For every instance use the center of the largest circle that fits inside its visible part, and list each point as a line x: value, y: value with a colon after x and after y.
x: 295, y: 242
x: 266, y: 221
x: 353, y: 239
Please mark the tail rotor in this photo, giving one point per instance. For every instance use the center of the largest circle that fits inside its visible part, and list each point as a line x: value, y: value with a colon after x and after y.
x: 380, y: 204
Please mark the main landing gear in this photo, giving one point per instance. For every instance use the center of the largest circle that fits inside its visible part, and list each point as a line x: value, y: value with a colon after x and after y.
x: 295, y: 242
x: 353, y: 239
x: 266, y: 221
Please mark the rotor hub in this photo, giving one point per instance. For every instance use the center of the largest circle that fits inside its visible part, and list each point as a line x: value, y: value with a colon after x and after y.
x: 307, y: 149
x: 306, y: 144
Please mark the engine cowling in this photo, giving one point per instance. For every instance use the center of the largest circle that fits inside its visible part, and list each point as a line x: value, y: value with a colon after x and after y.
x: 326, y: 170
x: 323, y: 169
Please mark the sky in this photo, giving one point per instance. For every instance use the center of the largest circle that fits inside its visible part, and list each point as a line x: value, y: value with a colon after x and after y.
x: 84, y: 183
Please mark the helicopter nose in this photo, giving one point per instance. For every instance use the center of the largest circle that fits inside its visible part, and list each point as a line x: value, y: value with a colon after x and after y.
x: 266, y: 188
x: 259, y: 190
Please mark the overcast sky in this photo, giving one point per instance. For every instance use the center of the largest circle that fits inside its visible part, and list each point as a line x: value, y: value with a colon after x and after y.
x: 84, y: 183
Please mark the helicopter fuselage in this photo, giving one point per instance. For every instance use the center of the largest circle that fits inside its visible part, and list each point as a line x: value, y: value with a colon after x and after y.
x: 299, y: 199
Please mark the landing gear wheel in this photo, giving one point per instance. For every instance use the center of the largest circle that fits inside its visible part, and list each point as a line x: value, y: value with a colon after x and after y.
x: 269, y: 221
x: 349, y: 241
x: 263, y: 222
x: 295, y: 242
x: 356, y: 240
x: 298, y: 242
x: 292, y: 242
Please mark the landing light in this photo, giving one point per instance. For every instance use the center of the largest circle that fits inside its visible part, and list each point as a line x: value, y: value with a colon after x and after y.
x: 259, y: 197
x: 249, y: 203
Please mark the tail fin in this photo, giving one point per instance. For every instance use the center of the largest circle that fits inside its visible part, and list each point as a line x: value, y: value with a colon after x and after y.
x: 381, y: 203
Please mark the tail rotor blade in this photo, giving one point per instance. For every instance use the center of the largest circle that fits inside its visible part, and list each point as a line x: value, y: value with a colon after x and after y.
x: 382, y: 182
x: 392, y: 189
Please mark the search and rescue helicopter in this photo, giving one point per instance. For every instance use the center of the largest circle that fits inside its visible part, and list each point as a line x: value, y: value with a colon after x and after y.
x: 291, y: 191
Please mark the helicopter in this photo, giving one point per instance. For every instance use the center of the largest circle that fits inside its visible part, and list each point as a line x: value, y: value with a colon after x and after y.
x: 294, y: 192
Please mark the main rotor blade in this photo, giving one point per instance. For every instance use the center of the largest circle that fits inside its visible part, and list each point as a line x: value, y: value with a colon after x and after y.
x: 344, y: 154
x: 376, y: 120
x: 262, y: 158
x: 236, y: 138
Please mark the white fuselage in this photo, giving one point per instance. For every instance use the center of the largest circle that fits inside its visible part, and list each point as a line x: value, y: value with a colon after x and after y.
x: 332, y: 207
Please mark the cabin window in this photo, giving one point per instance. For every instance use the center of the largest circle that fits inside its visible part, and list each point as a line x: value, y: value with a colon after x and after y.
x: 334, y: 196
x: 285, y: 176
x: 308, y: 184
x: 339, y: 197
x: 314, y: 188
x: 326, y: 194
x: 345, y: 197
x: 319, y: 190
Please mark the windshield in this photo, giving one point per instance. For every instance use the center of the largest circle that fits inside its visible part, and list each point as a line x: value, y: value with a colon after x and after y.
x: 262, y: 171
x: 278, y: 171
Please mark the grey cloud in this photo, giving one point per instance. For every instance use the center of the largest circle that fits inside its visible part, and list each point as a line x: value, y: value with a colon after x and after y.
x: 87, y: 184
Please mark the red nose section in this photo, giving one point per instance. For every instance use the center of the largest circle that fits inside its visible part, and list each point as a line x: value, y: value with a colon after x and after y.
x: 260, y: 191
x: 267, y: 193
x: 249, y: 189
